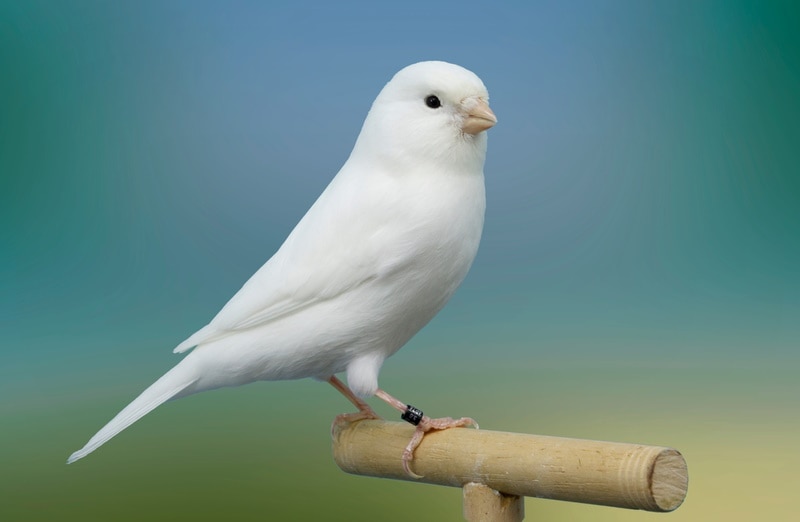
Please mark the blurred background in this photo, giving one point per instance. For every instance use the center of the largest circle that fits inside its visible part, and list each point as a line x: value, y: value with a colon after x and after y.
x: 638, y: 279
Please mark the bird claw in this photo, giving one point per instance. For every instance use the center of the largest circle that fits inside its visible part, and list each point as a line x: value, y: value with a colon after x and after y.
x: 427, y: 424
x: 444, y: 423
x: 408, y: 452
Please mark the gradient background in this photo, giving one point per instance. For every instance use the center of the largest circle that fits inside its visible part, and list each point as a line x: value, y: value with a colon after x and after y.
x: 638, y: 280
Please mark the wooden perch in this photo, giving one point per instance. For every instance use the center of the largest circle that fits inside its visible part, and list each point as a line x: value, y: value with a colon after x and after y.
x: 515, y: 464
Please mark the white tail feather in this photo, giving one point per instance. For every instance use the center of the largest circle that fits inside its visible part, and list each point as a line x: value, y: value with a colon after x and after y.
x: 168, y: 386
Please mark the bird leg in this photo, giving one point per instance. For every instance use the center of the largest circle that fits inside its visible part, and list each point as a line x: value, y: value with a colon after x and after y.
x: 423, y: 423
x: 364, y: 410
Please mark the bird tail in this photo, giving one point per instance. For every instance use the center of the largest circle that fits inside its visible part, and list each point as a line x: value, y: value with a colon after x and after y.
x: 169, y: 386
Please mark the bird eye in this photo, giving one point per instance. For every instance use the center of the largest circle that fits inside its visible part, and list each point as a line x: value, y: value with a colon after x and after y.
x: 433, y: 102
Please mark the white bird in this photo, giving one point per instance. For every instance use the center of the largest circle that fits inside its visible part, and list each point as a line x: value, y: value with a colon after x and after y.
x: 373, y: 260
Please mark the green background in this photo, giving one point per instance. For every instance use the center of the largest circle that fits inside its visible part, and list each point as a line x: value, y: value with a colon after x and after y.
x: 638, y: 279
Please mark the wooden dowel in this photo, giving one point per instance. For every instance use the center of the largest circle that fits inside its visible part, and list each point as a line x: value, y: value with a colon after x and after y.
x: 593, y: 472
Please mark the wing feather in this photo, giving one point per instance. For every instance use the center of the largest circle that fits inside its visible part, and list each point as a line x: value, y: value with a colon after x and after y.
x: 317, y: 262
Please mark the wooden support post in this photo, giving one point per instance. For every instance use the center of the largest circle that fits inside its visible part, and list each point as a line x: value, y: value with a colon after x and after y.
x: 483, y: 504
x: 607, y: 473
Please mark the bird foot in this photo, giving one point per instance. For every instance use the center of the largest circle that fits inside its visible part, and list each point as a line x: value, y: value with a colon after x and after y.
x: 425, y: 425
x: 364, y: 410
x: 410, y: 414
x: 346, y: 418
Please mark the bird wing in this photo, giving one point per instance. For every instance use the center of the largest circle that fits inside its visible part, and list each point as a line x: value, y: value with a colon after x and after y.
x: 331, y: 251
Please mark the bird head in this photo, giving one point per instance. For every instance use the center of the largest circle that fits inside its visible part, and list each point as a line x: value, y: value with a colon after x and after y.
x: 430, y: 112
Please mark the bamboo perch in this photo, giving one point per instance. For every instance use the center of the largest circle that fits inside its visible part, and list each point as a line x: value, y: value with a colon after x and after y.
x: 631, y: 476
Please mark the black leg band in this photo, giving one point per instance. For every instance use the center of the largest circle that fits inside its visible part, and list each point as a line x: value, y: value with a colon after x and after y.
x: 412, y: 415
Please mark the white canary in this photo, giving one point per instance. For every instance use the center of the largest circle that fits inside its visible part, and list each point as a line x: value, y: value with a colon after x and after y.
x: 373, y: 260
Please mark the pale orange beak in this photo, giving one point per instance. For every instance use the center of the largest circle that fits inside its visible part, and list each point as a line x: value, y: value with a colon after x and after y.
x: 479, y: 116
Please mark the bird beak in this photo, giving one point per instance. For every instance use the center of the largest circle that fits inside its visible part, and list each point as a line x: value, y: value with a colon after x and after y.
x: 479, y: 116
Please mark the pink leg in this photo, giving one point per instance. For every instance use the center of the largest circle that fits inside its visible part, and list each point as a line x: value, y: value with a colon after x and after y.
x: 425, y: 425
x: 364, y: 410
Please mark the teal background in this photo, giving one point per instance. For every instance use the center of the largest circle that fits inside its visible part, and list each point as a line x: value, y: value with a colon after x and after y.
x: 638, y: 279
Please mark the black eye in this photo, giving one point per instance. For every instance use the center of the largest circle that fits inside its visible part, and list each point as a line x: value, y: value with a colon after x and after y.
x: 433, y: 102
